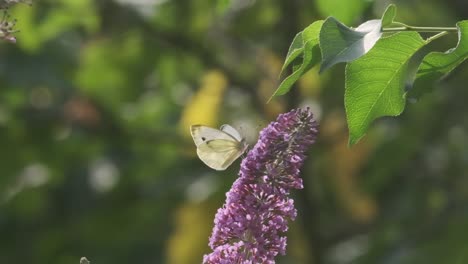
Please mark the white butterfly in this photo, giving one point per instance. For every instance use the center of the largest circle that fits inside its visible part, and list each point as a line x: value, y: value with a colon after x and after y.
x: 218, y: 148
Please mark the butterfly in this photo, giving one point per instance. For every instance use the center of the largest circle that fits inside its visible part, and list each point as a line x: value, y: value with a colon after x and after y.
x: 218, y: 148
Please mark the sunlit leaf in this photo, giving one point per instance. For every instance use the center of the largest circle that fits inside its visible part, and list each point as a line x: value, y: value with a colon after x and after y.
x: 309, y: 51
x: 311, y: 58
x: 340, y: 43
x: 296, y: 49
x: 297, y: 45
x: 375, y: 82
x: 388, y: 15
x: 438, y: 64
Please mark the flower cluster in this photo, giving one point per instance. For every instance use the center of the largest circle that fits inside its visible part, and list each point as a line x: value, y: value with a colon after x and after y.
x: 5, y: 4
x: 7, y: 28
x: 249, y: 227
x: 6, y: 24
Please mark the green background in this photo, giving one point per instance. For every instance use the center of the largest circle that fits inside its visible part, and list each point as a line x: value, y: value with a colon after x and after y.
x: 96, y: 98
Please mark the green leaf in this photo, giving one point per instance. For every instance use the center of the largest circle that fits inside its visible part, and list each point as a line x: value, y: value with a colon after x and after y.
x: 375, y: 82
x: 388, y: 15
x: 311, y: 33
x: 413, y: 66
x: 438, y: 64
x: 296, y: 49
x: 346, y: 11
x: 340, y: 43
x: 311, y: 58
x: 297, y: 46
x: 310, y: 52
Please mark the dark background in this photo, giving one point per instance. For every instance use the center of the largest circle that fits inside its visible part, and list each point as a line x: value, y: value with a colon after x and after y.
x: 96, y: 160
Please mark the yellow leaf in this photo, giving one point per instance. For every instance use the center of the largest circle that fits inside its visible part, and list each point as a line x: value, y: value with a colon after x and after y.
x: 189, y: 242
x: 346, y: 164
x: 204, y: 106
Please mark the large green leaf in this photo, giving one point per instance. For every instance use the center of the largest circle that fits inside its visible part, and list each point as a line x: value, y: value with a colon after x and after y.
x: 375, y: 82
x: 340, y: 43
x: 438, y: 64
x: 306, y: 44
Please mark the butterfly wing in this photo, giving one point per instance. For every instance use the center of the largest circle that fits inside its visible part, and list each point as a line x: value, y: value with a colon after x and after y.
x: 202, y: 134
x: 219, y: 154
x: 231, y: 131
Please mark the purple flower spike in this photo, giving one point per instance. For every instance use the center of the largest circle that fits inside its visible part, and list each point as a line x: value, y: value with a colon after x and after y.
x: 249, y: 227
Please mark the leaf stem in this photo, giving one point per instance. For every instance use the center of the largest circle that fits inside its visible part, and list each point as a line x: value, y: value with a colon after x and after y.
x: 420, y: 29
x: 436, y: 36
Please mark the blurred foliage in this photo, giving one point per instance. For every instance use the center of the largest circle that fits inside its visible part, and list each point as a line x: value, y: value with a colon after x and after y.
x: 96, y: 98
x: 345, y: 11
